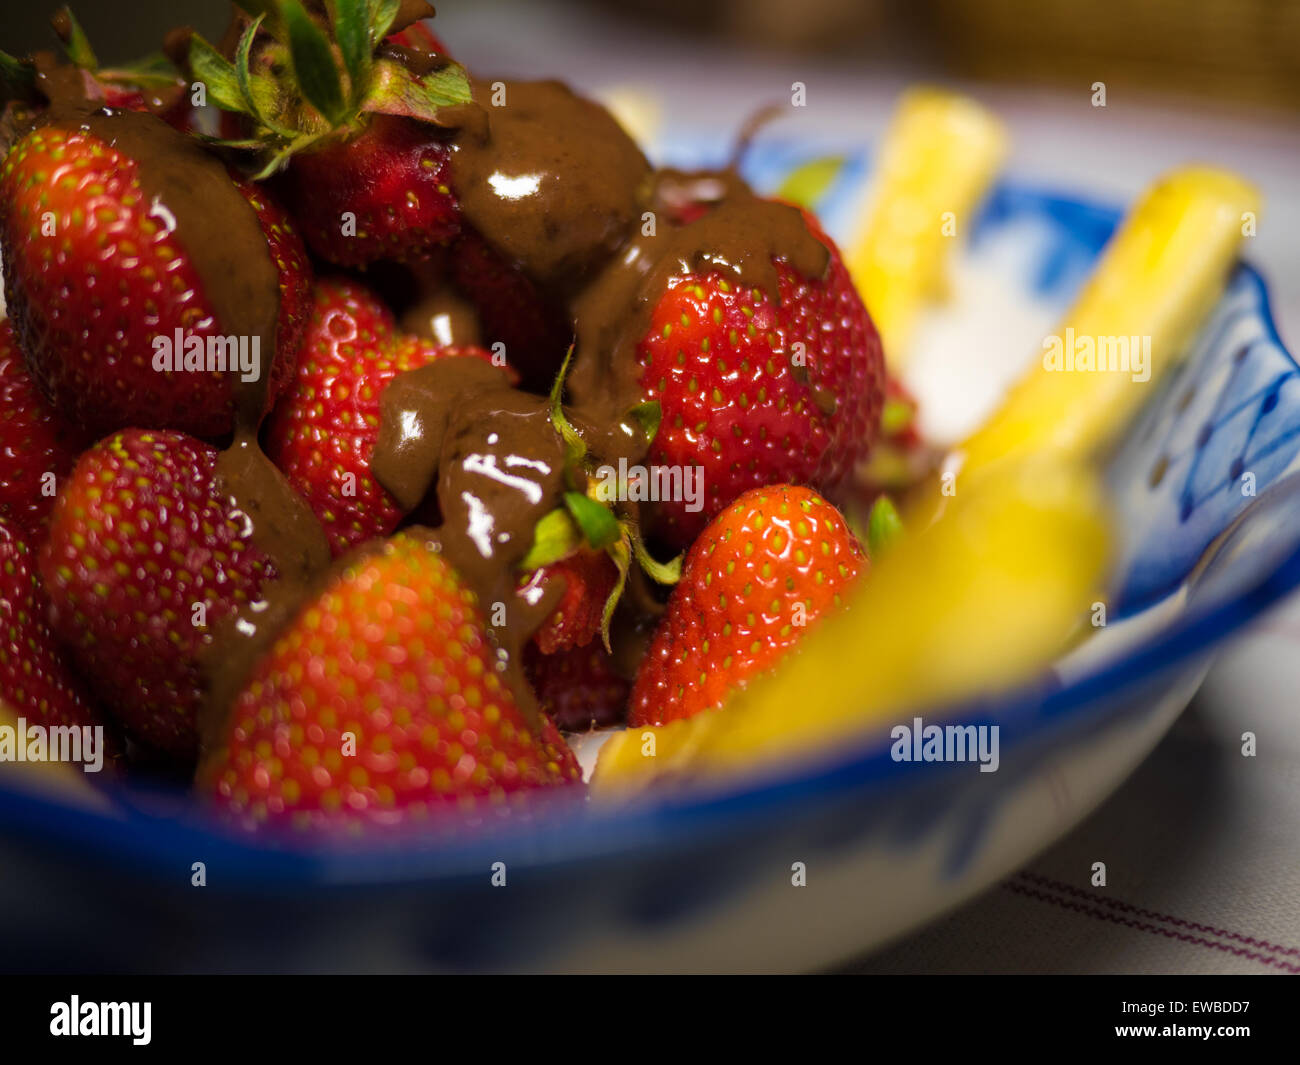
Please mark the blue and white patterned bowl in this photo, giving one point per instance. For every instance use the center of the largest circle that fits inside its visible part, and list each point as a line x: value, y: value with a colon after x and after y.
x: 693, y: 882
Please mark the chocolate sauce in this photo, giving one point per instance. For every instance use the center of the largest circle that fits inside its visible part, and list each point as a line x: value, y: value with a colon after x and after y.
x: 192, y: 195
x: 496, y: 463
x: 738, y: 236
x: 410, y: 11
x: 549, y: 178
x: 445, y: 317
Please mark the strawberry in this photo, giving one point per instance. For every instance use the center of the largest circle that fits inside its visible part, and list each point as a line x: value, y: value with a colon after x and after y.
x: 392, y: 661
x: 97, y: 273
x: 148, y: 85
x: 350, y: 122
x: 138, y: 536
x: 391, y: 182
x: 722, y: 360
x: 35, y: 679
x: 34, y: 441
x: 769, y: 566
x: 578, y: 687
x: 588, y: 578
x: 324, y: 430
x: 512, y: 311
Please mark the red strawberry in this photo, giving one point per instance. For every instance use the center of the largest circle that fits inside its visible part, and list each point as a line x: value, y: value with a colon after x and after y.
x: 721, y: 360
x: 512, y: 311
x: 35, y: 681
x: 764, y: 570
x: 394, y: 653
x: 588, y: 579
x: 578, y: 687
x: 324, y: 430
x: 365, y: 168
x: 381, y: 194
x: 96, y: 271
x: 34, y: 441
x: 139, y: 535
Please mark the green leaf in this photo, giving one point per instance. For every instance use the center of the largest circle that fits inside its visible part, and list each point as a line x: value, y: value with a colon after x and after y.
x: 554, y: 538
x: 394, y: 90
x: 17, y: 79
x: 74, y: 39
x: 282, y: 156
x: 153, y: 71
x: 216, y: 72
x: 648, y: 415
x: 258, y: 90
x: 243, y: 54
x: 139, y: 79
x: 313, y: 62
x: 574, y: 447
x: 352, y: 31
x: 661, y: 572
x: 381, y: 21
x: 618, y: 551
x: 808, y: 183
x: 259, y: 7
x: 884, y: 528
x: 598, y: 525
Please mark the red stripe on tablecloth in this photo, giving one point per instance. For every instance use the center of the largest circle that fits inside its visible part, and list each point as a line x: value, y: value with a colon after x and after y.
x: 1138, y: 911
x: 1144, y: 926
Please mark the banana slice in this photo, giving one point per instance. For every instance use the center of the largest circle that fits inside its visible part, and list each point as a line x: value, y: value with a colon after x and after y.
x: 1158, y: 278
x: 984, y: 598
x: 939, y: 156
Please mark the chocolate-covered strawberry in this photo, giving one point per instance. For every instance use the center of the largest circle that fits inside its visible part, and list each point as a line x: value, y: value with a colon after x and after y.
x: 380, y: 707
x: 746, y: 328
x: 323, y: 432
x: 146, y: 556
x: 146, y: 286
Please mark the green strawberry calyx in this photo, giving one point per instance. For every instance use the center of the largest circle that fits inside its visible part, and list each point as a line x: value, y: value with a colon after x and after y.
x: 298, y: 78
x: 586, y: 519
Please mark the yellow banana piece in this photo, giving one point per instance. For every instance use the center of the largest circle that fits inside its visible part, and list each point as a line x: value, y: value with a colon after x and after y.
x: 984, y: 598
x: 1156, y: 281
x: 939, y: 156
